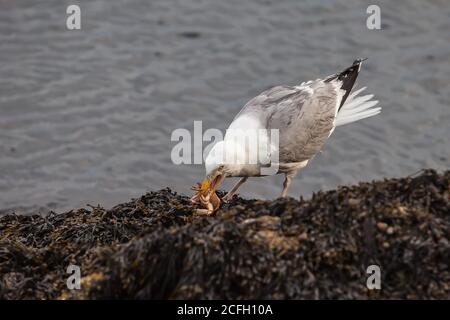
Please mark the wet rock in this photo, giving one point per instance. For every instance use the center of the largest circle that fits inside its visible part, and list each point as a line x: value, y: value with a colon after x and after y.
x: 156, y: 247
x: 382, y: 226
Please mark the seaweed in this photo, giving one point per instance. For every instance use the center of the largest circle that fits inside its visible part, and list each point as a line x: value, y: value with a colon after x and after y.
x: 156, y: 247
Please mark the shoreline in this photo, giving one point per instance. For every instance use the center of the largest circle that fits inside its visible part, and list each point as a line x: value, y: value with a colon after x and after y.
x: 154, y: 247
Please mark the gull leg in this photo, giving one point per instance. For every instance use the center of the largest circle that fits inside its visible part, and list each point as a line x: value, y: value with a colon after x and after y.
x: 233, y: 190
x: 286, y: 184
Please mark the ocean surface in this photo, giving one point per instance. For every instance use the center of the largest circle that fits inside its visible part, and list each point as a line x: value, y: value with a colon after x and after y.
x: 86, y: 116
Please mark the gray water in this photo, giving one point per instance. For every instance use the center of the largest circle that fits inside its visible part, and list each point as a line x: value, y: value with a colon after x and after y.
x: 86, y: 116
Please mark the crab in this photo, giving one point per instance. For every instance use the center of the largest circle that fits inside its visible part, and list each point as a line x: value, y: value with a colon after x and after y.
x: 206, y: 197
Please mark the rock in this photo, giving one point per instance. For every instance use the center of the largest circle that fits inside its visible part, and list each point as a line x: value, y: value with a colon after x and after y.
x: 382, y: 226
x: 156, y: 247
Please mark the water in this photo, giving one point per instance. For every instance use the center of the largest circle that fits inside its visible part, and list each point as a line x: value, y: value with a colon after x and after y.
x: 86, y: 116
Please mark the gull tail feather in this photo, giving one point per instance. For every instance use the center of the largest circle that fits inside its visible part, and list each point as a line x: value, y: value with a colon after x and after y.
x: 356, y: 108
x: 347, y: 79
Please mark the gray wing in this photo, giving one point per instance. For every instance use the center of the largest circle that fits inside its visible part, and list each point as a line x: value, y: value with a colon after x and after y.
x: 303, y: 115
x: 264, y: 103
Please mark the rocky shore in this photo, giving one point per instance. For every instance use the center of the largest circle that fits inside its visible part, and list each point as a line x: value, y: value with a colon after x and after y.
x: 155, y: 247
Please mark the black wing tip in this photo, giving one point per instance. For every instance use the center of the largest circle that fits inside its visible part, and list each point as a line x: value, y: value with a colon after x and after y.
x: 348, y: 78
x: 358, y: 61
x: 349, y: 70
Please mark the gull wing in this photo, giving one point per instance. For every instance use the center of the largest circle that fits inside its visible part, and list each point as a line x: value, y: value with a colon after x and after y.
x: 303, y: 115
x: 305, y: 120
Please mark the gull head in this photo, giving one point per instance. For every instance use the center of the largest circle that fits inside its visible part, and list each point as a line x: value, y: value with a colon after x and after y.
x: 215, y: 167
x: 206, y: 190
x: 218, y: 167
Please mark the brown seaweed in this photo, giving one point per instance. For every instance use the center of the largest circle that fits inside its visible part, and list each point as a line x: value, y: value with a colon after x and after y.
x: 155, y: 247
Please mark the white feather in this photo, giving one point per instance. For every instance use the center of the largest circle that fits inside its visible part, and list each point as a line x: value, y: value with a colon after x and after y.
x: 356, y: 108
x: 348, y: 105
x: 353, y: 94
x: 359, y: 108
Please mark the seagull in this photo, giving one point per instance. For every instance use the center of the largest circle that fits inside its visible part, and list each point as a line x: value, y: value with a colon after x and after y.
x: 304, y: 117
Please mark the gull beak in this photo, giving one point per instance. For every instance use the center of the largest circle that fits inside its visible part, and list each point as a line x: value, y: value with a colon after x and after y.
x: 210, y: 184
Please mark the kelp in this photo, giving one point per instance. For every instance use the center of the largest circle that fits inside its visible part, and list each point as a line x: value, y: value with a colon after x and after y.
x: 156, y: 247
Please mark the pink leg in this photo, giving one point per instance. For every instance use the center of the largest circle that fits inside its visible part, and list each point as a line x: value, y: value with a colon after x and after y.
x: 233, y: 190
x: 286, y: 184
